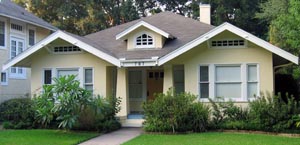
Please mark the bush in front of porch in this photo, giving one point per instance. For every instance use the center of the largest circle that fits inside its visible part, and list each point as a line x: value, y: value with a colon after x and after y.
x: 173, y: 112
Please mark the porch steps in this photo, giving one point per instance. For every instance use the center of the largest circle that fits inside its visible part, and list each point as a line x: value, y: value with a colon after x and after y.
x: 133, y: 123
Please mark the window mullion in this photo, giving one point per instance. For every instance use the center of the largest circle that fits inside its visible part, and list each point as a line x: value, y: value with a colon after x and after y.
x: 244, y: 75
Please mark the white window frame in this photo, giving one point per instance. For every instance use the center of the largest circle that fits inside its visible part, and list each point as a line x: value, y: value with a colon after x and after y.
x: 257, y: 81
x: 93, y: 78
x: 28, y: 35
x: 204, y: 82
x: 244, y: 82
x: 5, y: 32
x: 230, y: 39
x: 43, y: 75
x: 144, y: 46
x: 17, y: 75
x: 5, y: 83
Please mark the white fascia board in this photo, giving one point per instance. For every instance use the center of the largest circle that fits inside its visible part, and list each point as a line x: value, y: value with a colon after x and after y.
x: 68, y: 38
x: 90, y: 49
x: 31, y: 50
x: 235, y: 30
x: 29, y: 22
x: 262, y: 43
x: 145, y: 24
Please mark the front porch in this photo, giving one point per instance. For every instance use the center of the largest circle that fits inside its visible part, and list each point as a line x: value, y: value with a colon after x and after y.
x: 137, y: 85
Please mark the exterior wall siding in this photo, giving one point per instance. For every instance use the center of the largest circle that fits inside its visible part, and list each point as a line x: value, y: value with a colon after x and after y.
x: 204, y: 55
x: 45, y: 60
x: 18, y: 87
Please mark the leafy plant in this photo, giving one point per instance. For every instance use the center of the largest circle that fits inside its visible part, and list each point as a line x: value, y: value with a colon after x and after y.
x: 173, y: 112
x: 17, y: 111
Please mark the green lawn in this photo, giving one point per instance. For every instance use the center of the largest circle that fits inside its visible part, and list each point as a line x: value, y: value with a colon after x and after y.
x: 215, y: 138
x: 43, y: 137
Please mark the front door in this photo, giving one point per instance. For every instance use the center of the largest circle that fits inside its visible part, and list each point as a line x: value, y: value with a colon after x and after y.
x: 155, y: 79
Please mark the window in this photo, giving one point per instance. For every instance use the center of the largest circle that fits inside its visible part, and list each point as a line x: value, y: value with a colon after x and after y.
x: 2, y: 34
x: 252, y: 81
x: 31, y: 37
x: 16, y: 47
x: 135, y: 84
x: 178, y: 77
x: 237, y: 82
x: 47, y: 76
x: 204, y: 82
x: 4, y: 78
x: 16, y: 27
x: 144, y: 41
x: 88, y: 79
x: 66, y: 49
x: 228, y: 81
x: 227, y: 43
x: 67, y: 72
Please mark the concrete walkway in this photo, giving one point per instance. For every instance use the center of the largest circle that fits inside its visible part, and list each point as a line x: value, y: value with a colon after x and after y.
x: 115, y: 138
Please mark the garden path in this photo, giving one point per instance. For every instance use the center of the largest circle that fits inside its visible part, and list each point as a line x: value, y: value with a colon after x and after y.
x: 115, y: 138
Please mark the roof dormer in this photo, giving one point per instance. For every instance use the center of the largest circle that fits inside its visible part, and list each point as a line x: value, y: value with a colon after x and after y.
x: 143, y: 35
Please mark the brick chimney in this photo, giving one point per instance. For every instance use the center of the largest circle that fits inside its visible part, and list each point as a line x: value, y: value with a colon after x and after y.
x: 204, y: 13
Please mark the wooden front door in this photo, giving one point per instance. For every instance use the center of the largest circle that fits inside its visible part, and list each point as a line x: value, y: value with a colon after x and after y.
x: 155, y: 79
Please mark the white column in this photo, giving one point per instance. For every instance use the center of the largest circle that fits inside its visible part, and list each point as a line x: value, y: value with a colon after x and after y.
x: 122, y: 91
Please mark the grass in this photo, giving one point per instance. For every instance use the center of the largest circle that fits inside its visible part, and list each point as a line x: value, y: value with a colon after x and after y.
x: 214, y: 138
x: 45, y: 137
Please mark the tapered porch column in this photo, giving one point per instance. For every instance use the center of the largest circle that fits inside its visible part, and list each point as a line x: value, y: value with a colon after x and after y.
x: 122, y: 92
x: 168, y: 77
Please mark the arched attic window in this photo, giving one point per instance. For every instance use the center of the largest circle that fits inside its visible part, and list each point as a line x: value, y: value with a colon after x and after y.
x: 144, y: 41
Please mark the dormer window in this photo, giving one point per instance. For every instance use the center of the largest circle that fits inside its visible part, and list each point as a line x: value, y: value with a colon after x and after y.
x: 144, y: 41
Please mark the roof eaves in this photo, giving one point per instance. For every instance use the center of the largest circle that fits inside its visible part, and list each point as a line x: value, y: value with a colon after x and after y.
x: 235, y: 30
x: 33, y: 23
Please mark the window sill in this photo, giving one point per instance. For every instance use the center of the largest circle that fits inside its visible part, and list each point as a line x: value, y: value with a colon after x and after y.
x: 18, y: 77
x: 4, y: 83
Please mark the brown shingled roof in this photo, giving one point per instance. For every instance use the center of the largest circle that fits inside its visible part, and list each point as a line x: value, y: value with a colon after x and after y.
x: 183, y: 29
x: 12, y: 10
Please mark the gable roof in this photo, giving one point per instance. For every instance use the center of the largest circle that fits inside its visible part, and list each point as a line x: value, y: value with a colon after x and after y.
x: 227, y: 26
x: 121, y: 35
x: 12, y: 10
x: 181, y: 28
x: 188, y: 33
x: 81, y: 42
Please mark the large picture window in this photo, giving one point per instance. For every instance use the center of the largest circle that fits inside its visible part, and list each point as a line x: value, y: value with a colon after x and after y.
x: 228, y: 81
x: 237, y: 82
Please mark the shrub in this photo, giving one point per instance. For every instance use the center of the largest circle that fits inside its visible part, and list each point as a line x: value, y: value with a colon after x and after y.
x: 271, y: 113
x: 19, y: 112
x: 74, y: 107
x: 226, y: 115
x: 173, y: 112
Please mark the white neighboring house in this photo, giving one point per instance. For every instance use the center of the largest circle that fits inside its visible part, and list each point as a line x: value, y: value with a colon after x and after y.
x: 19, y: 30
